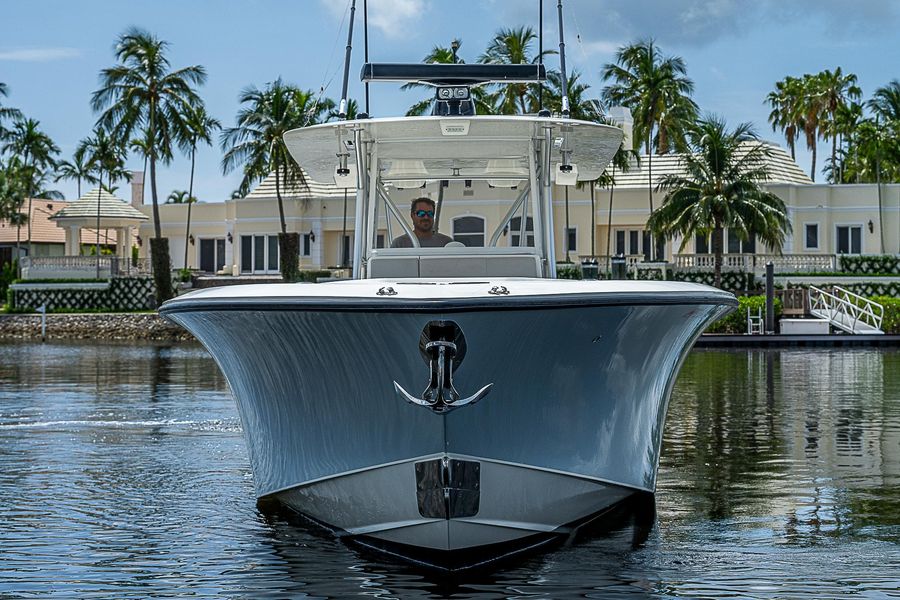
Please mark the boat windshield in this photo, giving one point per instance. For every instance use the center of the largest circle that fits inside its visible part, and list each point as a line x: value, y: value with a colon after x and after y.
x: 456, y: 228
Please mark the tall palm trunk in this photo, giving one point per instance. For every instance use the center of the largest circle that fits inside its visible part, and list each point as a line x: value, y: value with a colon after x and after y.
x: 717, y: 243
x: 187, y: 233
x: 288, y: 243
x: 650, y: 180
x: 159, y: 246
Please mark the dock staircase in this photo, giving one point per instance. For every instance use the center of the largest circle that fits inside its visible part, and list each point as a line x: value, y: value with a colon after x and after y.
x: 847, y: 311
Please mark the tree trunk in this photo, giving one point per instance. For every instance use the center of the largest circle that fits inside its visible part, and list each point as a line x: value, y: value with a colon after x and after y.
x: 187, y: 233
x: 812, y: 168
x: 289, y: 246
x: 159, y: 246
x: 650, y: 183
x: 280, y: 202
x: 717, y: 239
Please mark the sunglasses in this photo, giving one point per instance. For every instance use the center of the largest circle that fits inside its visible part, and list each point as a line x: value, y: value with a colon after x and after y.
x: 424, y: 213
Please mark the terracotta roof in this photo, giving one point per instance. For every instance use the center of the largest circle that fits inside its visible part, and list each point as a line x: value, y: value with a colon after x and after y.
x: 109, y: 207
x: 782, y: 169
x: 45, y: 231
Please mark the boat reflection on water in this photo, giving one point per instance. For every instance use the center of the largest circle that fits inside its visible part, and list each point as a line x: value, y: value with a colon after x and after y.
x: 622, y: 528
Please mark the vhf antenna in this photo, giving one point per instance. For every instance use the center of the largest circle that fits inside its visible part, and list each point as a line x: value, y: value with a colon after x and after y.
x: 342, y: 111
x: 562, y: 62
x: 366, y: 47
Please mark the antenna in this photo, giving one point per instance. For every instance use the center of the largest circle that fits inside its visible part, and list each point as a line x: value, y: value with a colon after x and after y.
x: 366, y: 44
x: 562, y: 61
x: 342, y: 111
x: 541, y: 56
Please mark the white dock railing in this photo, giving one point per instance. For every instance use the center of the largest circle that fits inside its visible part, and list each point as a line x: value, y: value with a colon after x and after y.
x: 846, y: 310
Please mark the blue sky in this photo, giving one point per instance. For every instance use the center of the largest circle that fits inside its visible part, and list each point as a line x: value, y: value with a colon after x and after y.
x: 51, y: 52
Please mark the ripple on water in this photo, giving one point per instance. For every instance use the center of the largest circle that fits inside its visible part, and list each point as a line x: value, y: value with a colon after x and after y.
x: 123, y: 474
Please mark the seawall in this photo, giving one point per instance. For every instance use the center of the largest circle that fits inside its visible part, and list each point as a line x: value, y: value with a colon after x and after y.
x: 92, y: 326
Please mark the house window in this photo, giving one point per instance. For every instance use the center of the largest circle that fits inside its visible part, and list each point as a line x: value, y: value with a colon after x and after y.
x: 738, y: 246
x: 307, y: 244
x: 701, y: 244
x: 811, y: 236
x: 259, y: 254
x: 469, y: 231
x: 347, y: 251
x: 379, y: 240
x: 571, y: 239
x: 212, y: 255
x: 515, y: 229
x: 272, y: 263
x: 620, y: 242
x: 634, y: 242
x: 849, y: 239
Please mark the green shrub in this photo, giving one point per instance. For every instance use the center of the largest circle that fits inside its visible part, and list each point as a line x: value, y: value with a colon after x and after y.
x: 568, y: 271
x: 891, y: 322
x: 312, y: 275
x: 184, y: 275
x: 7, y: 276
x: 736, y: 322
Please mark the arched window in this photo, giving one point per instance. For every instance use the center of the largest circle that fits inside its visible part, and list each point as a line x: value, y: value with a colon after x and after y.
x: 515, y: 229
x: 469, y: 231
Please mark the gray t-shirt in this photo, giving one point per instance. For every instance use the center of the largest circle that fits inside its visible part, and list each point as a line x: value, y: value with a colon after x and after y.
x: 438, y: 240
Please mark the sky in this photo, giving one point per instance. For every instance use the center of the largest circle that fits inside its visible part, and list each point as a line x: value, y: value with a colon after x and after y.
x: 52, y: 51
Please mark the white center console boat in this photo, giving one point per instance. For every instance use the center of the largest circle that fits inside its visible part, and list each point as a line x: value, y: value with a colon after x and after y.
x: 458, y: 401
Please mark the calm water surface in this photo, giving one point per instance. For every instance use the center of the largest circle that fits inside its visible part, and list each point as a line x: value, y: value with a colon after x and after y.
x: 123, y: 474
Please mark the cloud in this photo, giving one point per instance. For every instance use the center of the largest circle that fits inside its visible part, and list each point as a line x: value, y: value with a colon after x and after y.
x: 699, y: 23
x: 394, y: 18
x: 39, y: 54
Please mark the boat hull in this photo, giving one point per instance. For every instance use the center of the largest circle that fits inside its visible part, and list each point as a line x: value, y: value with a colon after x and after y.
x: 572, y: 425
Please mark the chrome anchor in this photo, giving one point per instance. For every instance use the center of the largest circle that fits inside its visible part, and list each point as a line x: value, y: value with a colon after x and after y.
x: 440, y: 395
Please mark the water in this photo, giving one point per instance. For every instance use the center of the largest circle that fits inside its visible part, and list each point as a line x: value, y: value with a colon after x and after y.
x: 123, y: 474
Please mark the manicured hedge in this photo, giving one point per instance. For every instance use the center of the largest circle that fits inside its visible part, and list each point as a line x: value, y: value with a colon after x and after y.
x: 891, y: 322
x: 736, y: 322
x: 312, y: 276
x: 883, y: 264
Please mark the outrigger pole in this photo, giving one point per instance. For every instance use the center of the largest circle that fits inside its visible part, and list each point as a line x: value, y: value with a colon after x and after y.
x: 562, y: 61
x: 342, y: 111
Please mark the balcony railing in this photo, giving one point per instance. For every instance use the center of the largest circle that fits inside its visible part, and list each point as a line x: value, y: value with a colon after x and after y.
x: 83, y: 267
x: 756, y: 263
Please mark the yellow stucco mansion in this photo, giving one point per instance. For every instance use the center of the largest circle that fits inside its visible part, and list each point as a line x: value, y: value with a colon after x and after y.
x: 240, y: 236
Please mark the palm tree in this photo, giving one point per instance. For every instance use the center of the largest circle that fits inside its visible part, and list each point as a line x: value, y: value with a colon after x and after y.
x: 180, y: 197
x: 512, y: 47
x: 580, y: 107
x: 38, y: 155
x: 199, y: 127
x: 7, y: 112
x: 257, y: 144
x: 885, y: 102
x: 622, y: 161
x: 13, y: 186
x: 837, y: 91
x: 785, y: 102
x: 78, y: 169
x: 657, y: 90
x: 142, y: 95
x: 105, y: 155
x: 721, y: 189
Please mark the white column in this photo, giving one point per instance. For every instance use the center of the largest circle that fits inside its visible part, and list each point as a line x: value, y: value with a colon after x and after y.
x: 73, y: 240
